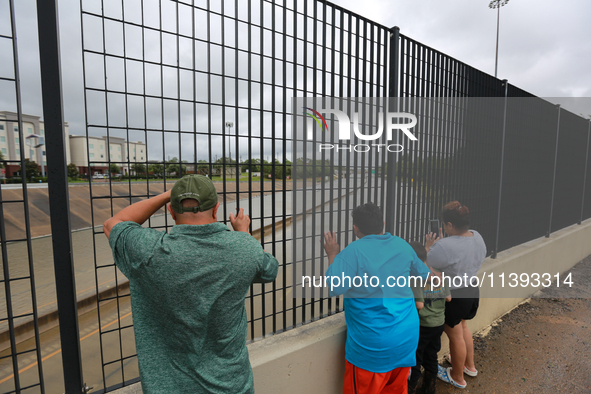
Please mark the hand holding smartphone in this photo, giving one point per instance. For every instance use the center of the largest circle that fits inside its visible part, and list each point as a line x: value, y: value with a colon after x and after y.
x: 434, y: 226
x: 434, y: 233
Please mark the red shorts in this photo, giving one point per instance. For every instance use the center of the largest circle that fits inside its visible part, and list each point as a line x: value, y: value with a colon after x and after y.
x: 360, y: 381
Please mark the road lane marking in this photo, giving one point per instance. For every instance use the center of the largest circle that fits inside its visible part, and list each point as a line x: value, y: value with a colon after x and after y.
x: 59, y: 350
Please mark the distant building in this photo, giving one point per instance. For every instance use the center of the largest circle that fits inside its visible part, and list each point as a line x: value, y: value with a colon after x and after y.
x: 10, y: 142
x: 230, y: 171
x: 92, y: 155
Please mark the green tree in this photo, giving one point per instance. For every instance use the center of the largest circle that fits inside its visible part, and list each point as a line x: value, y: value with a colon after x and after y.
x: 138, y: 168
x: 72, y: 171
x: 156, y: 169
x: 313, y: 169
x: 32, y: 169
x: 252, y: 165
x: 287, y: 169
x: 173, y: 166
x: 219, y: 166
x: 223, y: 160
x: 203, y: 167
x: 115, y: 169
x: 1, y: 160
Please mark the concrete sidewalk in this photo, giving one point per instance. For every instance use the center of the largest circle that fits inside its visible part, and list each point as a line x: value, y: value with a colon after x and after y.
x: 543, y: 346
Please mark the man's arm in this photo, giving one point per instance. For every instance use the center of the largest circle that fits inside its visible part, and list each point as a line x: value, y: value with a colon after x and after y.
x: 138, y: 212
x: 240, y: 222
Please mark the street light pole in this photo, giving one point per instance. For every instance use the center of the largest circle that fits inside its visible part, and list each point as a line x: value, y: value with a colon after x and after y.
x: 497, y: 4
x: 35, y: 141
x: 229, y: 125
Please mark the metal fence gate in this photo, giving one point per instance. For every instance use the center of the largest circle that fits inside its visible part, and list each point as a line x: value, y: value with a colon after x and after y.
x: 197, y: 86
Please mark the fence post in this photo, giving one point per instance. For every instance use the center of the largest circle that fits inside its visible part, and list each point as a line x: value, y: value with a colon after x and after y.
x: 494, y: 253
x: 554, y: 177
x: 585, y: 176
x: 390, y: 208
x: 53, y: 114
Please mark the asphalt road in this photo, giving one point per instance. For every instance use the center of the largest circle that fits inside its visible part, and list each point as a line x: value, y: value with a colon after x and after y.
x: 266, y: 300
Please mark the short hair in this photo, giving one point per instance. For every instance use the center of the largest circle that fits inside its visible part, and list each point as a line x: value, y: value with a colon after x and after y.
x: 456, y: 214
x: 420, y: 250
x: 368, y: 218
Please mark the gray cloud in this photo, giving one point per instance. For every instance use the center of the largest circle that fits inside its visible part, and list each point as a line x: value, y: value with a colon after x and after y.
x: 543, y: 49
x: 543, y: 44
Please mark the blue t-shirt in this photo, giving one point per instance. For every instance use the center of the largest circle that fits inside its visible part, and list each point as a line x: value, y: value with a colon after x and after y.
x: 382, y: 320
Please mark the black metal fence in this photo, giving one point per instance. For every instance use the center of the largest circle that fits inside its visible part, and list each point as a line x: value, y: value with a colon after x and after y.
x: 175, y: 87
x: 17, y: 277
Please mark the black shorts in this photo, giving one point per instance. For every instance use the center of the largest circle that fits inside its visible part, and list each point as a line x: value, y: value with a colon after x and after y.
x: 463, y: 305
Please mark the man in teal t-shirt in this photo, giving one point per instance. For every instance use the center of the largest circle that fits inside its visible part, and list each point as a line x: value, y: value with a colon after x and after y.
x: 382, y: 321
x: 188, y: 288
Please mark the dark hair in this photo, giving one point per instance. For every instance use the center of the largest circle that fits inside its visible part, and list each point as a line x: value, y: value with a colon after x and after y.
x: 456, y: 214
x: 368, y: 218
x: 419, y: 250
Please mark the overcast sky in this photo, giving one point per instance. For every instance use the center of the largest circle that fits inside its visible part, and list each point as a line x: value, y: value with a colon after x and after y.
x: 544, y: 46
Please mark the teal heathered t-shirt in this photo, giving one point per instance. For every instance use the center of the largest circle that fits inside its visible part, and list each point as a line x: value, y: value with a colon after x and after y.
x: 187, y: 297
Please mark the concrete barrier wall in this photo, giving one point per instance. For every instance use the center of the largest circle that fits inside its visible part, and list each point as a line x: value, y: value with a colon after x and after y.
x: 310, y: 358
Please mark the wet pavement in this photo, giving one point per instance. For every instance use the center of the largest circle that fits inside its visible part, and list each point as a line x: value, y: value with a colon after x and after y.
x: 542, y: 346
x: 93, y: 261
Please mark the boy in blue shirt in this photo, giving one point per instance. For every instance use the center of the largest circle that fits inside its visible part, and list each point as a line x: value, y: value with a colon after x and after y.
x: 382, y: 322
x: 431, y: 305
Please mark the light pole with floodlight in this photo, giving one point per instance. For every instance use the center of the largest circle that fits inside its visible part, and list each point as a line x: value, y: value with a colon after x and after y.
x: 497, y: 4
x: 35, y: 141
x: 229, y: 125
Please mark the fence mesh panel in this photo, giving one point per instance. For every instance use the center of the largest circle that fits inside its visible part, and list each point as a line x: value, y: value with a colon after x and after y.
x: 222, y: 89
x: 20, y: 344
x: 205, y: 87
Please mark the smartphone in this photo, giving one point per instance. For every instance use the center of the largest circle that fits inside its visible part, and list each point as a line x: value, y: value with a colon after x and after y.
x: 434, y: 226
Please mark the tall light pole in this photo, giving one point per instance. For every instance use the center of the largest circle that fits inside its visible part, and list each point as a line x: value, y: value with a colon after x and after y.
x: 497, y: 4
x: 36, y: 141
x: 229, y: 125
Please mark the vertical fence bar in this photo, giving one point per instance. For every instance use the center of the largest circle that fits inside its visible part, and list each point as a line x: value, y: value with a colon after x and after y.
x: 10, y: 315
x: 390, y: 207
x: 585, y: 176
x: 49, y: 54
x: 494, y: 253
x: 6, y: 271
x: 554, y: 176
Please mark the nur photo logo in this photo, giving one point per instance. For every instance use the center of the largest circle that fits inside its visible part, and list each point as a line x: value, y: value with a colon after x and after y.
x: 387, y: 122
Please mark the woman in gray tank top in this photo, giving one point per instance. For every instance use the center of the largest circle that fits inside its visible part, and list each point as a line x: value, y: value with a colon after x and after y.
x: 459, y: 255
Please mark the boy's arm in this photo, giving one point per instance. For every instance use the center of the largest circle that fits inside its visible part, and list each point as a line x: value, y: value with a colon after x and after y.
x: 419, y: 305
x: 448, y: 298
x: 343, y: 265
x: 331, y: 246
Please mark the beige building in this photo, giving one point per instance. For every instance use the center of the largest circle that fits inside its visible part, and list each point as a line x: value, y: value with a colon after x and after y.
x: 10, y: 142
x: 96, y: 152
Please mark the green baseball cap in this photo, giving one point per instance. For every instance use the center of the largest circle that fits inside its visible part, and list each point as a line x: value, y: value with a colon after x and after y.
x: 197, y: 187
